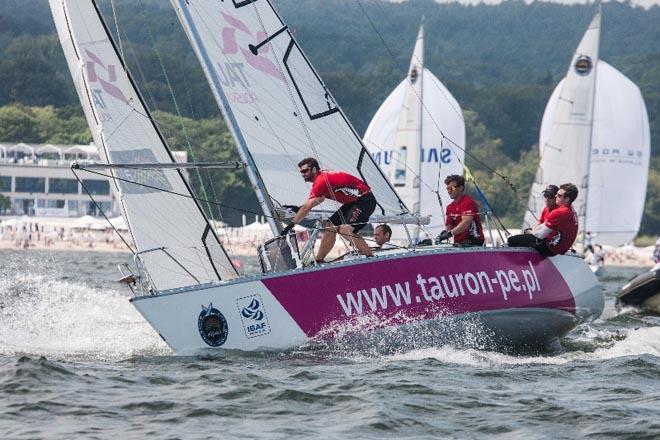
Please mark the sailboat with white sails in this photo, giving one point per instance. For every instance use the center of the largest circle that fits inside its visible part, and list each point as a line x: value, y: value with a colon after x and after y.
x: 595, y: 133
x: 417, y: 137
x: 279, y: 111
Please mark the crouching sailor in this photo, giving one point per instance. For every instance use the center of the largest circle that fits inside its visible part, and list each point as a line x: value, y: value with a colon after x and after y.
x: 557, y: 234
x: 358, y: 203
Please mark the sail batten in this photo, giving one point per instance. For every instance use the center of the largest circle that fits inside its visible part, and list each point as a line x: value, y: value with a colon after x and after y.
x: 169, y: 231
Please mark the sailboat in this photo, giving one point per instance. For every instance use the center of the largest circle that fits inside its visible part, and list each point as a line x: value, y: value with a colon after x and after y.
x: 595, y: 134
x: 279, y: 111
x: 417, y: 137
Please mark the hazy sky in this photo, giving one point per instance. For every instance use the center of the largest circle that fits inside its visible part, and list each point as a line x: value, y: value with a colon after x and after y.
x: 642, y: 3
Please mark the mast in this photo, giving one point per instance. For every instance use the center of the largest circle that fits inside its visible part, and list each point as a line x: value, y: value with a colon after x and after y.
x: 595, y: 24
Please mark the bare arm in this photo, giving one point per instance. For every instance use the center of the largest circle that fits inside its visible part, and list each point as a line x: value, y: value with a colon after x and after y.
x: 541, y: 231
x: 306, y: 207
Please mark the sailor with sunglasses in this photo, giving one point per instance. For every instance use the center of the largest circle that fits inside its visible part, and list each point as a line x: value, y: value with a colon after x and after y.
x: 557, y: 233
x: 358, y: 203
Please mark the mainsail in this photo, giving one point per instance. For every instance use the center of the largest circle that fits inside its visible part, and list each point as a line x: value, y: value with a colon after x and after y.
x: 177, y: 244
x: 417, y: 137
x: 277, y: 107
x: 595, y: 133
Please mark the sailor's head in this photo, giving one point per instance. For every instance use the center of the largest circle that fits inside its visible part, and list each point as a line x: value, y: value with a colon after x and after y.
x: 455, y: 186
x: 549, y: 194
x: 309, y: 168
x: 567, y: 194
x: 382, y: 234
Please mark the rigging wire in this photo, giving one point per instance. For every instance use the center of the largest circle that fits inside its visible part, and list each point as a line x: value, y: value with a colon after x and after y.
x: 435, y: 123
x: 175, y: 102
x: 186, y: 196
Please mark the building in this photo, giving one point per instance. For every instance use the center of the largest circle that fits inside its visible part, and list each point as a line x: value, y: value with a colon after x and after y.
x: 38, y: 180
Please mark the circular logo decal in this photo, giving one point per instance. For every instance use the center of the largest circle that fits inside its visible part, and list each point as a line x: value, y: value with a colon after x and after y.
x: 583, y: 65
x: 212, y: 326
x: 413, y: 75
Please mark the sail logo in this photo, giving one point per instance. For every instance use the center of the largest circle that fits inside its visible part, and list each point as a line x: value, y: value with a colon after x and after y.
x: 413, y: 75
x: 95, y: 68
x: 428, y: 155
x: 233, y: 73
x: 212, y: 326
x: 583, y: 65
x: 253, y: 316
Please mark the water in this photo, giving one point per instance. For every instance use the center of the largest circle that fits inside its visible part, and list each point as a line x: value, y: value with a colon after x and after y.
x: 77, y: 361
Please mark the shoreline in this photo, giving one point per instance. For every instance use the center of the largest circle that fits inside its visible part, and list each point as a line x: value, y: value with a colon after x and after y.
x: 625, y: 256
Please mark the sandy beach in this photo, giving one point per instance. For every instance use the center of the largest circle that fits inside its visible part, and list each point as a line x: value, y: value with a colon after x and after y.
x: 622, y: 256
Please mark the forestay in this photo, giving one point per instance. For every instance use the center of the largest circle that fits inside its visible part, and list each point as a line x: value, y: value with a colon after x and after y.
x: 185, y: 248
x: 565, y: 151
x: 417, y: 137
x: 276, y: 105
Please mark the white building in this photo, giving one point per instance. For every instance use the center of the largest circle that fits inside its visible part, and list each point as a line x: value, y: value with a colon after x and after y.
x: 38, y: 180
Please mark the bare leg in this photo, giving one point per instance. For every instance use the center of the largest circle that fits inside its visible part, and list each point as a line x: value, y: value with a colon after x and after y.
x: 327, y: 242
x: 358, y: 242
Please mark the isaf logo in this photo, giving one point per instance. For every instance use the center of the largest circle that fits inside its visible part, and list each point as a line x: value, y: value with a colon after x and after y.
x: 212, y: 326
x: 253, y: 316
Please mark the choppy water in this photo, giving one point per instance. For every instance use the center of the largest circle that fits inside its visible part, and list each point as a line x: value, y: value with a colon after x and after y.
x: 77, y: 361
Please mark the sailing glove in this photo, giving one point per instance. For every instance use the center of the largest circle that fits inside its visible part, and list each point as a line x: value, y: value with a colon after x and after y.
x: 444, y: 235
x: 287, y: 229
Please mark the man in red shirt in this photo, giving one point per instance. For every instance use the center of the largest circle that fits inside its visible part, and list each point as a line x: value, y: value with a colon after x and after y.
x: 557, y: 234
x: 463, y: 221
x: 358, y: 203
x: 549, y: 194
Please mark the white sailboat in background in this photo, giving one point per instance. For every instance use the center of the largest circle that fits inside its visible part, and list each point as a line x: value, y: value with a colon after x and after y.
x: 417, y: 137
x: 595, y: 134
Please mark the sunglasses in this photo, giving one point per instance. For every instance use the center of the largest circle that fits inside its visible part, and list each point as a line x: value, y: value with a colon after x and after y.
x: 305, y: 171
x: 561, y: 196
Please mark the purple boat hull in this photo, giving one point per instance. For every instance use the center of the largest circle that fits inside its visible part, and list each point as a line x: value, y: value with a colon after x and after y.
x: 515, y: 296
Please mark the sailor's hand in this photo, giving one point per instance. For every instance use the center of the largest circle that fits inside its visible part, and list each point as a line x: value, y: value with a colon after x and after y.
x: 527, y: 231
x: 293, y: 208
x: 287, y: 229
x: 444, y: 235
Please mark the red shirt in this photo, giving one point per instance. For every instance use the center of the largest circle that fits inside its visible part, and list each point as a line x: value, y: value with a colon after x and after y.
x: 457, y: 209
x: 339, y: 186
x: 564, y: 224
x: 544, y: 214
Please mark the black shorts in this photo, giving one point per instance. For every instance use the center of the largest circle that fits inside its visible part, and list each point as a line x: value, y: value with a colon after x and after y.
x: 356, y: 213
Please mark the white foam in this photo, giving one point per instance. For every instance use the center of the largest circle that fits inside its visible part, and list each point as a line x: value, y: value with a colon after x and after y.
x: 60, y: 319
x: 622, y: 343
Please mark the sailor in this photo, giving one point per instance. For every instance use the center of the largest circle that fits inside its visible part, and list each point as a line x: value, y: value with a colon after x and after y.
x: 549, y: 194
x: 557, y: 234
x: 549, y: 197
x: 358, y: 203
x: 382, y: 235
x: 462, y: 220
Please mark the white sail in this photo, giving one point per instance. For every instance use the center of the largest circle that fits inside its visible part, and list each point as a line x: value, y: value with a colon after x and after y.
x: 275, y: 104
x: 565, y: 151
x: 612, y: 201
x: 181, y: 247
x: 413, y: 119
